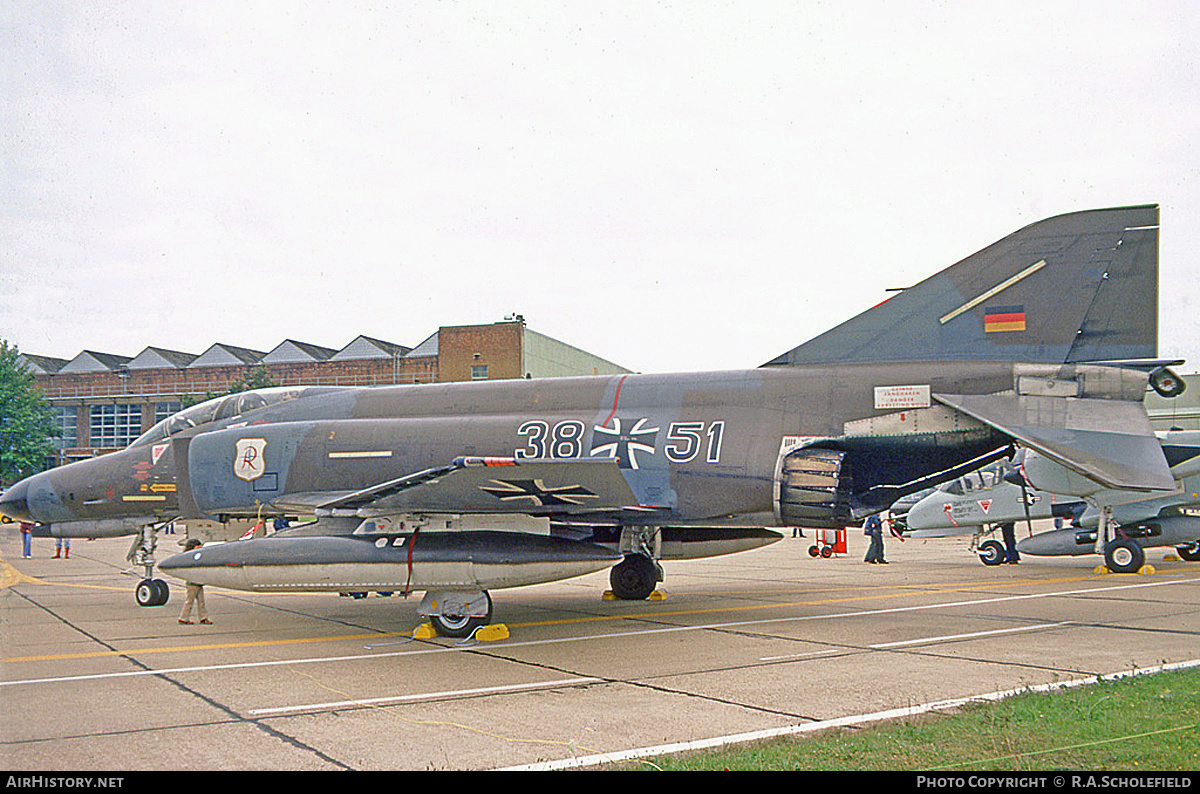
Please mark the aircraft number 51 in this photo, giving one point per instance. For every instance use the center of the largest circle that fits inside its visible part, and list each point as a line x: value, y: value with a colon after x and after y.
x: 685, y: 439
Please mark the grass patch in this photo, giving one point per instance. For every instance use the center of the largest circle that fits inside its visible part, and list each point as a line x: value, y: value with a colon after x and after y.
x: 1146, y: 722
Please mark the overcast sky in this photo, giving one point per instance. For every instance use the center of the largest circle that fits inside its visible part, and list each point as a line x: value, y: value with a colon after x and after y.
x: 672, y: 186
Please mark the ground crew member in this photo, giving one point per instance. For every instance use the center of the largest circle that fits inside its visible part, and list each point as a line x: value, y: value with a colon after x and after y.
x: 195, y: 595
x: 873, y: 528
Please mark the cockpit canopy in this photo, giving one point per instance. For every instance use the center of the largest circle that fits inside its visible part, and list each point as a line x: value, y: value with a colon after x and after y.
x: 980, y: 480
x: 218, y: 408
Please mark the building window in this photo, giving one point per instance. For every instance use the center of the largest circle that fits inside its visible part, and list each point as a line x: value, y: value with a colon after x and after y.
x: 115, y: 426
x: 163, y: 410
x: 479, y: 372
x: 66, y: 422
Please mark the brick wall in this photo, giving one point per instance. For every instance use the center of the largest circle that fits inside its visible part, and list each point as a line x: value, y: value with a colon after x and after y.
x: 497, y: 346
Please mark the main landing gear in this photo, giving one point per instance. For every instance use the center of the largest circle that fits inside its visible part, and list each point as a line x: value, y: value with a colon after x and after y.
x: 457, y: 613
x: 635, y: 577
x: 1121, y: 554
x: 1124, y: 556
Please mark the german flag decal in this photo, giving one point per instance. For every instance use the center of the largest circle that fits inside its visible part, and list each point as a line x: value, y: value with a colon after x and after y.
x: 1004, y: 318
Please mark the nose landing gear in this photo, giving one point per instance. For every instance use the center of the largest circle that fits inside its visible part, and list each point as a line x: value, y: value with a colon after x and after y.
x: 150, y: 592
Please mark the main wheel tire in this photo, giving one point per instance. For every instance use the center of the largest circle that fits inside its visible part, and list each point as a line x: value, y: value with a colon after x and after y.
x: 1189, y: 551
x: 813, y: 551
x: 633, y: 578
x: 461, y: 625
x: 992, y: 553
x: 1124, y: 556
x: 164, y: 592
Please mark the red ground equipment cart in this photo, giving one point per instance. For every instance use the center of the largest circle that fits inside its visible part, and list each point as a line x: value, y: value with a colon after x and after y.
x: 829, y: 542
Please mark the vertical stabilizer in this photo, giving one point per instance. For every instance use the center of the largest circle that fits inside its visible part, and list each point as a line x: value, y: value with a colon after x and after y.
x: 1072, y: 288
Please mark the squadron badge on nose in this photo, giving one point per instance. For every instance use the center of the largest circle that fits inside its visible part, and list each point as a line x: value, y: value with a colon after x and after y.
x: 248, y: 462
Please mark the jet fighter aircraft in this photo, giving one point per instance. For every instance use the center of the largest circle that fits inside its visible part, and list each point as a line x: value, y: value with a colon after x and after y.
x: 1047, y: 337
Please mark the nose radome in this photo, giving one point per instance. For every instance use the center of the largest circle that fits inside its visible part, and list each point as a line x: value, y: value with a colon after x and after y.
x: 14, y: 502
x: 923, y: 516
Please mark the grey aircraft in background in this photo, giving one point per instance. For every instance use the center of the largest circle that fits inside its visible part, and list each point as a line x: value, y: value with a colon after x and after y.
x: 998, y: 494
x: 977, y: 504
x: 1047, y: 339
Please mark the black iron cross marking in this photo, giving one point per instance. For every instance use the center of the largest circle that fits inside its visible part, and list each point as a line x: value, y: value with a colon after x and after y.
x: 539, y: 493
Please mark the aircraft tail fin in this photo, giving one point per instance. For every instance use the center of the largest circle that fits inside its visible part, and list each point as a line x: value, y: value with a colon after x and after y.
x: 1071, y: 288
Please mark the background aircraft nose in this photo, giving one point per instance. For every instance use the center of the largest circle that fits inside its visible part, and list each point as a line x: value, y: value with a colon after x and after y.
x: 927, y: 514
x: 14, y: 502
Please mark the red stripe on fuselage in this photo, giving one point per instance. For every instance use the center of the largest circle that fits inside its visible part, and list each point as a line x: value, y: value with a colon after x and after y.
x: 616, y: 397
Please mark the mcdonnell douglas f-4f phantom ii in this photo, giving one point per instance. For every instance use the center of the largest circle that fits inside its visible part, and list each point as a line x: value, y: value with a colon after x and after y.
x: 1047, y: 339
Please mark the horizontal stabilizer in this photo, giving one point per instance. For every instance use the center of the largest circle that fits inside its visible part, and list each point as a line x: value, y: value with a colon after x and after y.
x: 1080, y: 433
x: 1072, y: 288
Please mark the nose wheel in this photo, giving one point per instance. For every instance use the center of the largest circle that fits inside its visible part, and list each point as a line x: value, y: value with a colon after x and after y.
x: 152, y: 593
x: 991, y: 552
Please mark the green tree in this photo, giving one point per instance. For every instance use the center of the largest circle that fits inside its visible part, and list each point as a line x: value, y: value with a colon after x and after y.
x: 258, y: 378
x: 26, y: 419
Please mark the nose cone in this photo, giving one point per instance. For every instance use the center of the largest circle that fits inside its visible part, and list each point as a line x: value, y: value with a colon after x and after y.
x: 927, y: 514
x: 185, y: 561
x: 14, y: 502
